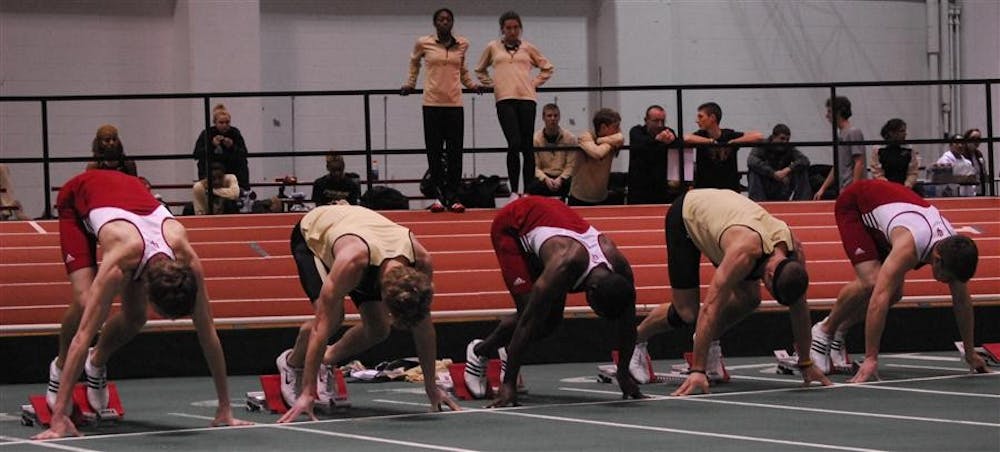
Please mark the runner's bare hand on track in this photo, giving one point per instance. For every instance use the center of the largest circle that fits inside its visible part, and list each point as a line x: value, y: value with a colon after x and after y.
x: 811, y: 374
x: 867, y: 372
x: 695, y: 380
x: 508, y: 396
x: 438, y: 398
x: 59, y: 427
x: 303, y: 405
x: 976, y: 363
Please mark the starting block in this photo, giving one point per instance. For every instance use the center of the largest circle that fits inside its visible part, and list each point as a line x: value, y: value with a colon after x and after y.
x: 271, y: 399
x: 789, y: 364
x: 461, y: 388
x: 677, y: 375
x: 989, y: 352
x: 37, y: 410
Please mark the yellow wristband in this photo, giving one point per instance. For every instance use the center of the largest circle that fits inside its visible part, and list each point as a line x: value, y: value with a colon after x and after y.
x: 805, y: 364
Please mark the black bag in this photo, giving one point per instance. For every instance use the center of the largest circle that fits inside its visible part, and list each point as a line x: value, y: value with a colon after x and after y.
x: 427, y: 187
x: 817, y: 175
x: 616, y: 188
x: 381, y: 197
x: 479, y: 192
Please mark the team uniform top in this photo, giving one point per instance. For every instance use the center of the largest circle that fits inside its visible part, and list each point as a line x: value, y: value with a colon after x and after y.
x: 522, y: 227
x: 385, y: 239
x: 96, y: 197
x: 709, y: 212
x: 867, y: 212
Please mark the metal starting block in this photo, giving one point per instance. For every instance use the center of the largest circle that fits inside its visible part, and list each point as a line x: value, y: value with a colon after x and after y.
x: 789, y: 364
x: 37, y: 410
x: 989, y: 352
x: 270, y: 398
x: 461, y: 388
x: 677, y: 375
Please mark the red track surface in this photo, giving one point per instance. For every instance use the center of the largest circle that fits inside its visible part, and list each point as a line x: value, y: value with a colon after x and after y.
x: 251, y: 277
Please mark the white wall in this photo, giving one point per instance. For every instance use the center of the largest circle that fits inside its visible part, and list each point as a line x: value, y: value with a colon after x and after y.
x: 119, y: 46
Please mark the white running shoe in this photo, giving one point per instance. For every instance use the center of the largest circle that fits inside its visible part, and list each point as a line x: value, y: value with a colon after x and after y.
x: 55, y: 375
x: 475, y: 370
x: 324, y: 384
x: 839, y: 359
x: 640, y: 364
x: 715, y: 367
x: 819, y: 351
x: 291, y: 378
x: 521, y: 387
x: 97, y: 384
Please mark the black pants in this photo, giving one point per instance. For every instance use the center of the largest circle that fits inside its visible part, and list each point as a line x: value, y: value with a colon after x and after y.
x: 763, y: 188
x: 536, y: 187
x: 444, y: 131
x: 517, y: 119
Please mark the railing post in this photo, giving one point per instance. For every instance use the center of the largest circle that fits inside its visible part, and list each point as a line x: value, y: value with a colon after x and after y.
x: 836, y: 140
x: 368, y: 140
x: 210, y: 196
x: 989, y: 133
x: 680, y: 140
x: 46, y: 174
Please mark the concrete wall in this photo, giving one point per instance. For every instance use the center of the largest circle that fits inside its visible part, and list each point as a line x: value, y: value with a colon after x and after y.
x: 144, y: 46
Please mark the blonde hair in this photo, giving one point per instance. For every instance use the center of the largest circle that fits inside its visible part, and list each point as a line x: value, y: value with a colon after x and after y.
x: 220, y: 110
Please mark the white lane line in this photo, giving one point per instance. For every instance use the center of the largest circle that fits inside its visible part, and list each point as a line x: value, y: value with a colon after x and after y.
x: 841, y: 412
x: 37, y: 228
x: 371, y: 438
x: 192, y: 416
x: 678, y: 431
x: 45, y: 444
x: 932, y: 391
x: 920, y: 357
x: 549, y: 405
x: 912, y: 366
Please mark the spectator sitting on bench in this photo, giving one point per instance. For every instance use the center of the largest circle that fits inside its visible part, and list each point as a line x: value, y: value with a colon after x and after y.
x: 10, y: 207
x: 225, y: 189
x: 778, y: 171
x: 554, y: 166
x: 226, y: 145
x: 335, y: 186
x: 109, y: 153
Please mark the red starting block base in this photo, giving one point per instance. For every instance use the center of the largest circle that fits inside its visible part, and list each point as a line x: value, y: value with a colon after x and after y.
x: 37, y: 410
x: 271, y: 399
x: 461, y: 388
x: 989, y: 352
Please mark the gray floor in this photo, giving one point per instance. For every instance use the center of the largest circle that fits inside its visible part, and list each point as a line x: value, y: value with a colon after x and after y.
x: 925, y: 402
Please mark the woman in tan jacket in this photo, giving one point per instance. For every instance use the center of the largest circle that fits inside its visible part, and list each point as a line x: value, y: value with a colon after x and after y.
x: 514, y: 90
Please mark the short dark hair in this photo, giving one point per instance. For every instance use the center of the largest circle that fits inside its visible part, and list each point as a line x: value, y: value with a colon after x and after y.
x: 442, y: 10
x: 712, y: 108
x: 840, y: 106
x: 781, y: 129
x: 609, y: 294
x: 653, y: 107
x: 510, y: 15
x: 606, y: 116
x: 892, y: 125
x: 407, y: 292
x: 790, y: 281
x: 550, y: 106
x: 171, y: 287
x: 959, y: 256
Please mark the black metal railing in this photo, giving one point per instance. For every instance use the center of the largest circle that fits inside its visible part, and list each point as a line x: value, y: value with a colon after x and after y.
x: 989, y: 138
